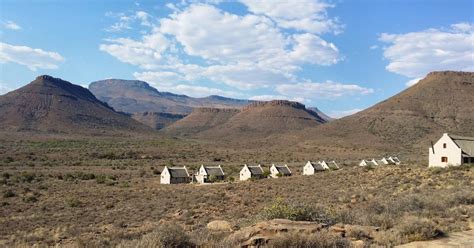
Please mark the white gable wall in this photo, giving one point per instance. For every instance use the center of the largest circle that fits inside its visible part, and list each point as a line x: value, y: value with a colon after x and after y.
x: 165, y: 176
x: 245, y: 174
x: 452, y: 152
x: 308, y: 169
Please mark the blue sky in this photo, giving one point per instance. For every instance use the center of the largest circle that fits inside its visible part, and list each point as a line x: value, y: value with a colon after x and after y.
x: 341, y: 56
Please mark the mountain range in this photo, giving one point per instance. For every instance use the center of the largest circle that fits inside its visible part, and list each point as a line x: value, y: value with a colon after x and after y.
x: 441, y: 102
x: 51, y: 104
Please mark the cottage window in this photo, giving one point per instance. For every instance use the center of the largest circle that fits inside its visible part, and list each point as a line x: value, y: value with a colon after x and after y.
x: 466, y: 160
x: 444, y: 159
x: 444, y: 145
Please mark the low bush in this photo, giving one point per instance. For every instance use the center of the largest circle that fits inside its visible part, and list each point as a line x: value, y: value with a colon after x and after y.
x: 165, y: 236
x: 280, y: 209
x: 414, y: 228
x: 322, y: 239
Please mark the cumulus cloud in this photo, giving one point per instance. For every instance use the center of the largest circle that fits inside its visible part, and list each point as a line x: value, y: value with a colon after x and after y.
x: 413, y: 81
x: 146, y: 53
x: 276, y: 97
x: 326, y: 90
x: 33, y: 58
x: 11, y: 25
x: 250, y: 51
x: 4, y: 90
x: 304, y: 15
x: 416, y: 54
x: 125, y: 21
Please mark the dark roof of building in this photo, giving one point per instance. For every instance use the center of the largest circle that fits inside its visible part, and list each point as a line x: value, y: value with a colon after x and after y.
x: 216, y: 171
x: 284, y: 170
x: 465, y: 143
x: 255, y: 170
x: 178, y: 172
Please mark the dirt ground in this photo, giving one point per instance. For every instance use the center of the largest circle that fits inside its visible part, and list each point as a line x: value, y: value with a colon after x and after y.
x: 76, y: 191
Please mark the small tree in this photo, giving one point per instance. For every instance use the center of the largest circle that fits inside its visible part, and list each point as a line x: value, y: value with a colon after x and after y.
x: 266, y: 174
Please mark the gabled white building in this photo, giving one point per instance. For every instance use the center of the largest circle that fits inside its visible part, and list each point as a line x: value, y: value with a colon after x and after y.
x: 333, y: 165
x: 324, y: 164
x: 311, y: 167
x: 280, y: 170
x: 248, y: 172
x: 451, y: 150
x: 394, y: 160
x: 206, y: 173
x: 368, y: 162
x: 173, y: 175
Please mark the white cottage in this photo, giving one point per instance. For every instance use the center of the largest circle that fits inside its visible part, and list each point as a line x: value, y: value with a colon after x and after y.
x: 311, y: 167
x: 206, y: 174
x: 394, y: 160
x: 251, y: 172
x: 451, y: 150
x: 174, y: 175
x: 368, y: 162
x: 333, y: 165
x: 279, y: 170
x: 324, y: 164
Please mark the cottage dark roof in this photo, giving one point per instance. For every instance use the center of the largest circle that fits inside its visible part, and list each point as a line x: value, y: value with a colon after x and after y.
x: 283, y: 170
x: 465, y: 143
x: 216, y: 171
x: 178, y: 172
x: 255, y: 170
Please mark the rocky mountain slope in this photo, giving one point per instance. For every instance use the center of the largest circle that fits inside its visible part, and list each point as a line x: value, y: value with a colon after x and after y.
x: 441, y: 102
x: 133, y: 96
x: 257, y: 120
x: 54, y: 105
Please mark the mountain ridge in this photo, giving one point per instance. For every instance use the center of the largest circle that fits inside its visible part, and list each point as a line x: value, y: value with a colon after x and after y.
x: 54, y: 105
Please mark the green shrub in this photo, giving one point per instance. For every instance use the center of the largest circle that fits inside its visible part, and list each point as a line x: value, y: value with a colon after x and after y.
x: 73, y: 202
x: 281, y: 209
x: 30, y: 198
x: 9, y: 193
x: 413, y: 228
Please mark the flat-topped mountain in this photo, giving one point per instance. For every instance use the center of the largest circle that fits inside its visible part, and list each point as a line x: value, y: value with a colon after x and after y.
x: 54, y: 105
x: 132, y: 96
x: 259, y: 119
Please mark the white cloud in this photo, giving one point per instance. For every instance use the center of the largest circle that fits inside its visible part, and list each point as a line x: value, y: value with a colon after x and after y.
x: 160, y: 78
x: 276, y: 97
x: 126, y: 21
x: 232, y: 38
x: 146, y: 53
x: 175, y: 82
x: 33, y: 58
x: 343, y: 113
x: 304, y: 15
x: 327, y: 90
x: 11, y: 25
x: 416, y: 54
x: 4, y: 90
x: 413, y: 81
x: 374, y: 47
x: 250, y: 51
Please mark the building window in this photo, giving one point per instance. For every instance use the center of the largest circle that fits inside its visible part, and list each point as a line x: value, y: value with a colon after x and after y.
x: 466, y: 160
x: 444, y: 145
x: 444, y: 159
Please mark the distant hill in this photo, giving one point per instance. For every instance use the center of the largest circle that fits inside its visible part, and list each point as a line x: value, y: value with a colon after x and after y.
x: 257, y: 120
x: 441, y: 102
x: 132, y: 96
x: 157, y: 120
x: 54, y: 105
x: 326, y: 117
x: 200, y: 120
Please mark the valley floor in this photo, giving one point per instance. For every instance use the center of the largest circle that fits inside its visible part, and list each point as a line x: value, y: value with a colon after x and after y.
x: 103, y: 192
